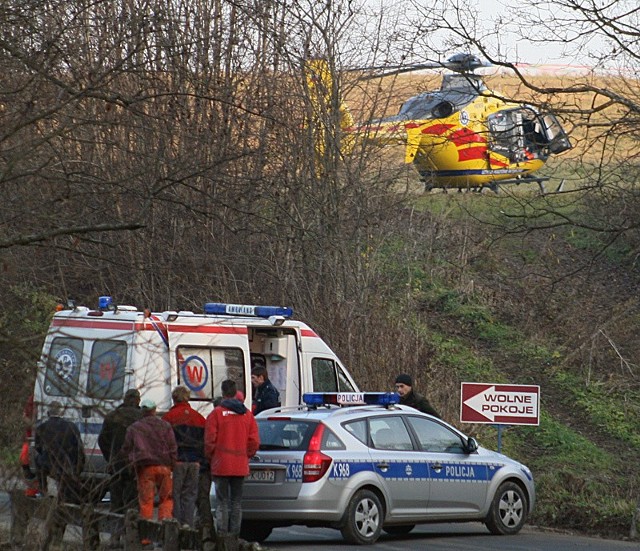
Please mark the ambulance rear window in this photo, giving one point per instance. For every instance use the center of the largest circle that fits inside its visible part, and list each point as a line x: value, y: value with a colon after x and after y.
x: 63, y: 367
x: 106, y: 370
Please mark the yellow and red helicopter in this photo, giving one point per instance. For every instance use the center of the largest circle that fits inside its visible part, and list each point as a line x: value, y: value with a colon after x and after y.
x: 464, y: 136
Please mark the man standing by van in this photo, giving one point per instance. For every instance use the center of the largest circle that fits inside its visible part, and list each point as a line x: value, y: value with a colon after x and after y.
x: 60, y: 455
x: 122, y: 485
x: 230, y: 439
x: 265, y: 394
x: 188, y: 427
x: 151, y: 448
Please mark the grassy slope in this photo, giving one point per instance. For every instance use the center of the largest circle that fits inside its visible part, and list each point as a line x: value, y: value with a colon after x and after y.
x: 511, y: 325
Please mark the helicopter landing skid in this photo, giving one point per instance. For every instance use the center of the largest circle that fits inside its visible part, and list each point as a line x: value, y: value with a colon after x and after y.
x: 494, y: 186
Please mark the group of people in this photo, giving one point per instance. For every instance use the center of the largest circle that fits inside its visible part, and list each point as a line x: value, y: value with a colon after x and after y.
x: 174, y: 457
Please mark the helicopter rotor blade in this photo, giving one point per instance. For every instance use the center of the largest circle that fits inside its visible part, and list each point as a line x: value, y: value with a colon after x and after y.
x: 390, y: 70
x: 458, y: 63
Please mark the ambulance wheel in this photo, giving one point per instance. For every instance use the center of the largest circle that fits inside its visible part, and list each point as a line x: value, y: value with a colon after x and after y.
x: 508, y: 511
x: 399, y: 530
x: 363, y: 519
x: 255, y: 531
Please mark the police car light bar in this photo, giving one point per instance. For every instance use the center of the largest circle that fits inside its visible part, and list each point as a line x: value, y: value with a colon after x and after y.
x: 350, y: 398
x: 219, y: 308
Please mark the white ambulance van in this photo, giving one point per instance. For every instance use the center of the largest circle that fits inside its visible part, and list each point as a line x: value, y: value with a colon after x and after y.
x: 91, y: 357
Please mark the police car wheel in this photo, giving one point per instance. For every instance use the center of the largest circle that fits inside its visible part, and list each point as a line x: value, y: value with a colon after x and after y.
x: 508, y: 511
x: 399, y: 530
x: 363, y: 518
x: 255, y: 531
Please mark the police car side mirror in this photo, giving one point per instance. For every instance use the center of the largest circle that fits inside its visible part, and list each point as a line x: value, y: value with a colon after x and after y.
x: 471, y: 445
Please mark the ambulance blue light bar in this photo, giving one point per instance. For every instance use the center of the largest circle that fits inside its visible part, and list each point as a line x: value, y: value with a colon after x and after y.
x: 350, y: 398
x: 219, y: 308
x: 105, y: 302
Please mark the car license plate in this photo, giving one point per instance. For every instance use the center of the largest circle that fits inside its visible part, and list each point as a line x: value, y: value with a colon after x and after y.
x: 262, y: 475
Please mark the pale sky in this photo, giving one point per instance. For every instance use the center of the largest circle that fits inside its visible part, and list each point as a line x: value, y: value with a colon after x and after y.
x: 519, y: 40
x: 516, y: 44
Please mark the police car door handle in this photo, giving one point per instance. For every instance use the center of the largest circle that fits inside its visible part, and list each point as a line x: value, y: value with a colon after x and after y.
x: 383, y: 466
x: 436, y: 467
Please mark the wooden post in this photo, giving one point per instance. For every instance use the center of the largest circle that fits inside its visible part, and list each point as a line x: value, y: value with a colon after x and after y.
x: 20, y: 513
x: 171, y: 534
x: 54, y: 525
x: 635, y: 522
x: 90, y: 528
x: 131, y: 532
x: 28, y: 516
x: 227, y: 542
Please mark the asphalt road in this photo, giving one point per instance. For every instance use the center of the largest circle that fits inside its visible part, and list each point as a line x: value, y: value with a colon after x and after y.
x: 431, y: 537
x: 445, y: 537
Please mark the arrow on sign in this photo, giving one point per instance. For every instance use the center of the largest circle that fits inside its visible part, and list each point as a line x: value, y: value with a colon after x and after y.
x: 492, y: 403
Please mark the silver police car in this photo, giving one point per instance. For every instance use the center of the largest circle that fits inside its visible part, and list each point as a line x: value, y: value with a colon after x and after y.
x: 378, y: 466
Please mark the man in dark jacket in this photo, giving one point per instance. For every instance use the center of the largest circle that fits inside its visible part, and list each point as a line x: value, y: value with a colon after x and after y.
x: 404, y: 387
x: 188, y: 427
x: 122, y: 485
x: 60, y: 455
x: 265, y: 394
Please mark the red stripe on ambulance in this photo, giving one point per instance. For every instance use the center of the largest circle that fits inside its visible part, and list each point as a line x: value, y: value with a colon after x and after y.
x: 93, y: 324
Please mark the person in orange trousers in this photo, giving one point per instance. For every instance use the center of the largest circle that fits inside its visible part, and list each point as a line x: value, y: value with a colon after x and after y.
x: 151, y: 448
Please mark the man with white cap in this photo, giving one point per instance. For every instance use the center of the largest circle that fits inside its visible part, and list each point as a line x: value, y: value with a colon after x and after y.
x: 151, y: 448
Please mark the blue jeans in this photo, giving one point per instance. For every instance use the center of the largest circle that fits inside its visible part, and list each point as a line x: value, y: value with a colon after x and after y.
x: 229, y: 503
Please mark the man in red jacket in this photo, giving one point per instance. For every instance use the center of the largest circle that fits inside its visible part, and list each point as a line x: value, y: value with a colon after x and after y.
x: 230, y: 439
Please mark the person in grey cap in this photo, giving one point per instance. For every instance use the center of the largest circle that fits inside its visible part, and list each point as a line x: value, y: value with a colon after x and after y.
x: 122, y: 482
x: 60, y: 455
x: 408, y: 397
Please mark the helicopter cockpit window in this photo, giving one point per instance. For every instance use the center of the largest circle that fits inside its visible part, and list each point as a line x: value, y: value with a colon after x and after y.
x: 443, y: 109
x: 556, y: 137
x: 419, y: 107
x: 434, y: 105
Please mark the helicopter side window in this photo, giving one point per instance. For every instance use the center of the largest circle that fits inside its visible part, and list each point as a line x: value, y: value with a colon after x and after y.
x: 507, y: 134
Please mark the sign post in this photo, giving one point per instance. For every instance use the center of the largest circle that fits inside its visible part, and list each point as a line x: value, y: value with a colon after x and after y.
x: 500, y: 405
